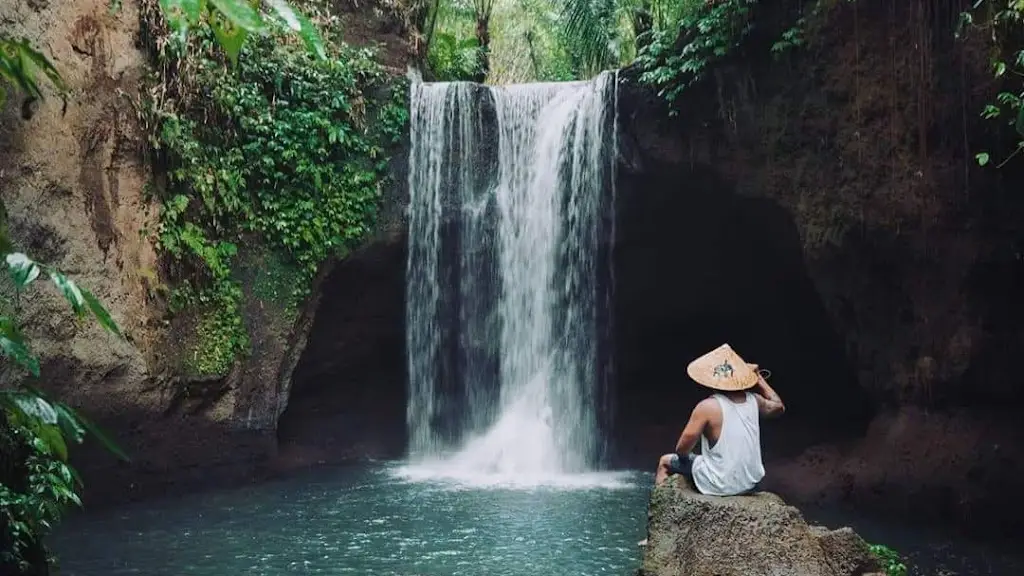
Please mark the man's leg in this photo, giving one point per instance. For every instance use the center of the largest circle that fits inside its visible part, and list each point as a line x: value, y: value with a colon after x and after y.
x: 664, y: 468
x: 672, y: 464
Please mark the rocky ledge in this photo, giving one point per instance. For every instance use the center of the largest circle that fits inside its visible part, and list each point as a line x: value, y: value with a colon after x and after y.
x: 689, y: 534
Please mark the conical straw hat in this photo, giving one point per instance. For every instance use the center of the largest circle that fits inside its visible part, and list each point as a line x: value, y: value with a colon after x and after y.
x: 723, y: 369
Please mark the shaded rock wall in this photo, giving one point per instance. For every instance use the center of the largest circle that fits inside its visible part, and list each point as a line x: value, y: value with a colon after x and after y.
x: 865, y: 138
x: 346, y: 390
x: 698, y: 265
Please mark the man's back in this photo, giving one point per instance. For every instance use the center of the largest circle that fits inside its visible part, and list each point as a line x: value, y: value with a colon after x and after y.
x: 730, y: 458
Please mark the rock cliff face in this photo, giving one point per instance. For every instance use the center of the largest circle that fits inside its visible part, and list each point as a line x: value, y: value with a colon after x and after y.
x: 346, y: 389
x: 690, y: 534
x: 74, y: 184
x: 848, y: 162
x: 820, y: 211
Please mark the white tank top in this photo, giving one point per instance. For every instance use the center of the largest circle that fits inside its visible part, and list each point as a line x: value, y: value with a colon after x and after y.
x: 733, y: 465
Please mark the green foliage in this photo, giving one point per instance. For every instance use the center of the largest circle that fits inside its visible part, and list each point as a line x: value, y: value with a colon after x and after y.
x: 673, y: 59
x: 24, y: 271
x: 598, y: 34
x: 36, y: 482
x: 454, y: 59
x: 284, y: 149
x: 270, y: 276
x: 35, y: 430
x: 282, y: 146
x: 234, y: 21
x: 793, y: 37
x: 29, y: 514
x: 1004, y: 22
x: 529, y: 43
x: 890, y: 559
x: 572, y: 39
x: 219, y: 336
x: 21, y: 67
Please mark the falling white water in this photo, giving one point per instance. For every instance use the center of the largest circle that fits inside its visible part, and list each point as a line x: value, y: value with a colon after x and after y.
x: 510, y: 189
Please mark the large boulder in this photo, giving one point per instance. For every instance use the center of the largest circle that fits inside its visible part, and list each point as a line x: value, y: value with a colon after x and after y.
x: 690, y: 534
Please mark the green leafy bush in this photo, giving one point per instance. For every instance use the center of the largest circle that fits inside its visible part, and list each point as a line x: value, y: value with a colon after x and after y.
x: 454, y: 59
x: 282, y: 146
x: 673, y: 59
x: 890, y: 559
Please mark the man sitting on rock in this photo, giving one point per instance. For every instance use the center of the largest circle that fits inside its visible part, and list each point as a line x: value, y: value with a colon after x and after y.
x: 727, y: 424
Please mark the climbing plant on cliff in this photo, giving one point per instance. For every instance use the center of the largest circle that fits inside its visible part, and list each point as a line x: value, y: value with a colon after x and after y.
x: 1004, y: 23
x: 675, y: 57
x: 274, y: 144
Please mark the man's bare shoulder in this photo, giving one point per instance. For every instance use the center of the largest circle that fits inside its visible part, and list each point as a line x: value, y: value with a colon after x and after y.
x: 708, y: 406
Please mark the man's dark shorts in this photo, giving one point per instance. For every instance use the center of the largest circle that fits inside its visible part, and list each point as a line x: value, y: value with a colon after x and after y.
x: 682, y: 465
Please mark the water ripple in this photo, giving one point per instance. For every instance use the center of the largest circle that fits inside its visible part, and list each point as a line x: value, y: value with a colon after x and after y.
x: 379, y: 521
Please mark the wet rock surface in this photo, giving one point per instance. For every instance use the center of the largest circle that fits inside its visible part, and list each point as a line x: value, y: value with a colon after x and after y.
x: 690, y: 534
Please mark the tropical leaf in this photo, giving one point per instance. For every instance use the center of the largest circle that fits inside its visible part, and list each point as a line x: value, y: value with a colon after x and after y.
x: 230, y: 35
x: 588, y: 26
x: 1020, y: 121
x: 13, y: 345
x: 181, y: 12
x: 33, y: 58
x: 53, y: 438
x: 78, y: 425
x: 100, y: 435
x: 20, y: 63
x: 18, y: 352
x: 70, y: 291
x: 101, y: 313
x: 23, y: 269
x: 298, y: 23
x: 12, y: 68
x: 28, y: 407
x: 69, y: 423
x: 240, y: 13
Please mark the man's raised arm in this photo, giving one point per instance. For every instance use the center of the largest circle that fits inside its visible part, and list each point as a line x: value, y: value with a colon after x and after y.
x: 768, y: 401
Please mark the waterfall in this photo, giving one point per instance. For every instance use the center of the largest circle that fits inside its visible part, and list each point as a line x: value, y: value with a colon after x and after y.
x: 508, y: 274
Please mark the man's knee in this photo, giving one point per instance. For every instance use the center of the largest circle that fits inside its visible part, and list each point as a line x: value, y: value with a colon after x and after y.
x: 666, y: 461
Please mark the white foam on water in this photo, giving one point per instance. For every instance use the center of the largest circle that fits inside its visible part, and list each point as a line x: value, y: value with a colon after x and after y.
x: 443, y: 475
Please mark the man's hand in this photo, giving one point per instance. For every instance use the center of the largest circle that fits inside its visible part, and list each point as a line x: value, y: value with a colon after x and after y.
x: 768, y: 401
